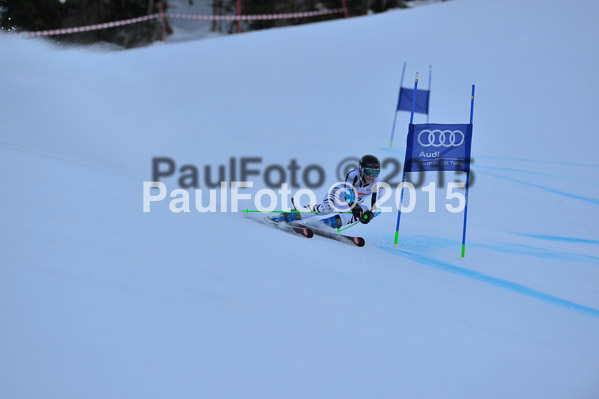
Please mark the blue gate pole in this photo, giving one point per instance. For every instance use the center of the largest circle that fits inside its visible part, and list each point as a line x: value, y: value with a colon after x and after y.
x: 430, y: 81
x: 397, y: 107
x: 403, y: 177
x: 467, y: 182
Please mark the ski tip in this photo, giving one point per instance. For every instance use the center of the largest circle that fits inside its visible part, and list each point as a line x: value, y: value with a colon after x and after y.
x: 359, y: 241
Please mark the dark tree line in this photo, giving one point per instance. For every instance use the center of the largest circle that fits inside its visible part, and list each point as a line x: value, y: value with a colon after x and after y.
x: 39, y: 15
x: 253, y: 7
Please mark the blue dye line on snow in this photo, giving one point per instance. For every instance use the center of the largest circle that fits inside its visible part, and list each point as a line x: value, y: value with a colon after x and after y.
x: 531, y: 172
x: 559, y: 238
x: 586, y: 165
x: 485, y: 278
x: 521, y: 249
x: 422, y: 244
x: 551, y: 190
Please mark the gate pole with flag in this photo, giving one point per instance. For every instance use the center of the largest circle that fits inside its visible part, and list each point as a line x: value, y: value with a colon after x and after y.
x: 430, y: 81
x: 467, y: 181
x: 403, y: 178
x: 397, y: 107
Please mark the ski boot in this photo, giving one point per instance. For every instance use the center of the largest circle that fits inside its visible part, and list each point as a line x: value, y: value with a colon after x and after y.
x: 287, y: 217
x: 333, y: 222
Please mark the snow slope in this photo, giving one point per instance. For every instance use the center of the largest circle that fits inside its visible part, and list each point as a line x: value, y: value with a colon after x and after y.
x: 99, y: 299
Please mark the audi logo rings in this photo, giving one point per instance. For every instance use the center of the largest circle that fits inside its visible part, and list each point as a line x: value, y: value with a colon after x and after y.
x: 441, y: 138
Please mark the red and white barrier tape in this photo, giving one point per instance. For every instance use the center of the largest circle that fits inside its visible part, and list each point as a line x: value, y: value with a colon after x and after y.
x: 254, y: 17
x: 88, y: 28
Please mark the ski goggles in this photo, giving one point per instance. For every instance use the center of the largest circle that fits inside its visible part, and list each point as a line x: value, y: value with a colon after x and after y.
x: 371, y: 172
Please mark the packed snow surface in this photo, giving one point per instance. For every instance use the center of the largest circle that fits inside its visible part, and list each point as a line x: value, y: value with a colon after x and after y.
x: 101, y: 300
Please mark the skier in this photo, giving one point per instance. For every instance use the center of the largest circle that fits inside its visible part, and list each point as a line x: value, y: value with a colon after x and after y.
x: 345, y: 197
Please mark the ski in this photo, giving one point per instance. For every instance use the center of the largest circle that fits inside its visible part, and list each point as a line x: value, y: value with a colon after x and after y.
x: 332, y: 234
x: 329, y: 233
x: 309, y: 231
x: 303, y: 231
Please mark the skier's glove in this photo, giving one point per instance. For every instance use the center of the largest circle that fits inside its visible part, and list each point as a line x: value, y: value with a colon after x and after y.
x: 366, y: 217
x: 357, y: 212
